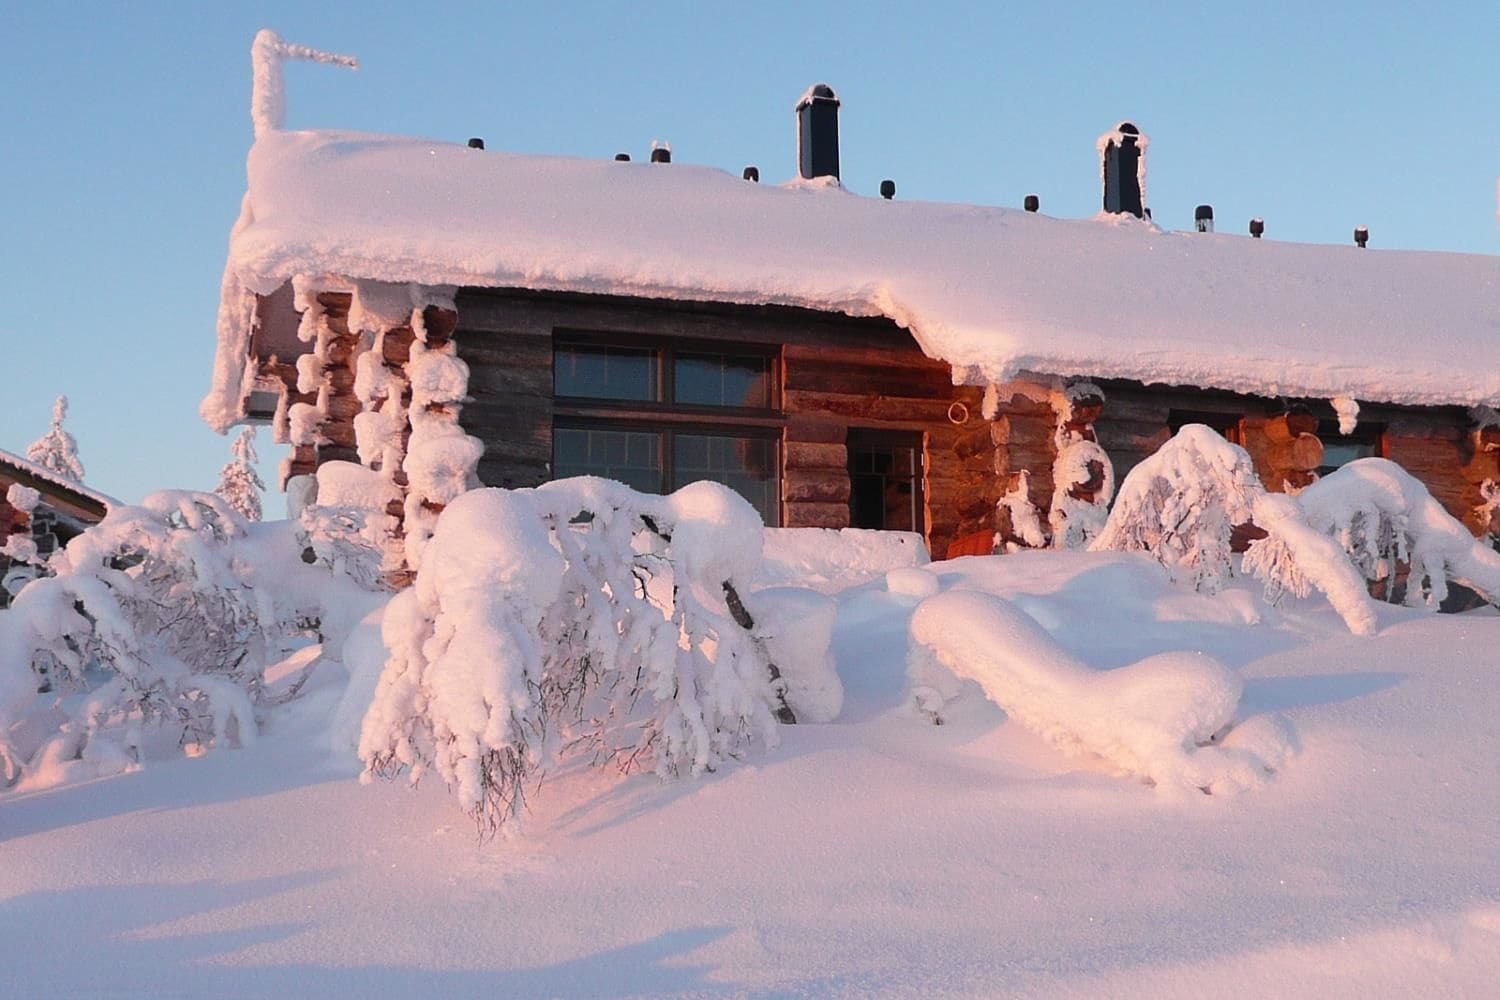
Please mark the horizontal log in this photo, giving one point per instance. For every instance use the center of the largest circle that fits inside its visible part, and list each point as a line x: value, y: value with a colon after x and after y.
x: 886, y: 409
x: 817, y: 515
x: 898, y: 378
x: 801, y: 454
x: 796, y: 489
x: 814, y: 431
x: 1303, y: 453
x: 342, y: 407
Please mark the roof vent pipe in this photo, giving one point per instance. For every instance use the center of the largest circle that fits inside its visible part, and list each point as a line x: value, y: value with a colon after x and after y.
x: 1122, y: 155
x: 661, y: 152
x: 1203, y: 218
x: 818, y: 132
x: 1032, y: 203
x: 752, y: 174
x: 1257, y: 228
x: 622, y: 157
x: 476, y: 143
x: 1361, y: 236
x: 887, y: 189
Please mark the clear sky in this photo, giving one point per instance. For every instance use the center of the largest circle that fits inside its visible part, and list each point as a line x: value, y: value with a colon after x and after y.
x: 125, y: 129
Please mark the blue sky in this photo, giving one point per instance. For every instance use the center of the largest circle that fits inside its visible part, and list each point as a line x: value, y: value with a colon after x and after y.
x: 126, y: 129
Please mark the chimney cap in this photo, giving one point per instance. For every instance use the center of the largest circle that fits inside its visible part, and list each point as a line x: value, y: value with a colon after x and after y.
x: 476, y: 143
x: 1203, y: 212
x: 817, y: 92
x: 622, y: 157
x: 887, y: 189
x: 1031, y: 203
x: 751, y: 173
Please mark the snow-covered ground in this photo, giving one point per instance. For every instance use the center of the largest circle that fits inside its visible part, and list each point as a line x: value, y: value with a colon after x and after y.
x: 875, y: 855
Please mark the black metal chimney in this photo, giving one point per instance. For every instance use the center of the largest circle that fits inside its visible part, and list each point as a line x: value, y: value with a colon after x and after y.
x: 1203, y: 218
x: 1122, y: 150
x: 887, y: 189
x: 1032, y: 203
x: 818, y: 133
x: 476, y: 143
x: 1257, y: 228
x: 661, y: 153
x: 1361, y: 236
x: 751, y: 174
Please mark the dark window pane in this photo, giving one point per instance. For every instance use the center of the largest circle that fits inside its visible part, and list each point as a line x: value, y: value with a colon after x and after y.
x: 747, y: 465
x: 722, y: 380
x: 885, y: 480
x: 631, y: 457
x: 606, y: 372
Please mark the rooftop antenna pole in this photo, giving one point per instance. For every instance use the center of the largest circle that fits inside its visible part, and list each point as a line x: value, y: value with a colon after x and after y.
x: 267, y: 91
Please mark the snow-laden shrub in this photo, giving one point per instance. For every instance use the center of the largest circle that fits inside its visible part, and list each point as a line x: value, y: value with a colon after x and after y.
x: 1384, y: 520
x: 1181, y: 505
x: 160, y: 615
x: 578, y: 617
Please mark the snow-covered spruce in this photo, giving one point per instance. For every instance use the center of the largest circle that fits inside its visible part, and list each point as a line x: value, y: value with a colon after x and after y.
x: 161, y: 615
x: 1384, y: 520
x: 1153, y: 719
x: 1181, y: 505
x: 578, y: 617
x: 56, y: 450
x: 239, y: 483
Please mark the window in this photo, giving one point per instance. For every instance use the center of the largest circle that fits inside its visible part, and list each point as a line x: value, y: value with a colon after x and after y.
x: 1341, y: 449
x: 1227, y: 424
x: 885, y: 480
x: 658, y: 415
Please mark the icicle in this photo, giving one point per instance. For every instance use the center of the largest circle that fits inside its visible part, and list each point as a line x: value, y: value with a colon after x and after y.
x: 990, y: 407
x: 1348, y: 411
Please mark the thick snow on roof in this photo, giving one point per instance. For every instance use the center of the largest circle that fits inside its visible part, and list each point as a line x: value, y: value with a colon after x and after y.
x: 53, y: 479
x: 993, y: 291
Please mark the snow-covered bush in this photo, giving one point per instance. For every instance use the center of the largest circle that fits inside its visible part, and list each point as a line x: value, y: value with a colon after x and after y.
x: 347, y: 525
x: 239, y: 484
x: 1181, y: 504
x: 578, y: 617
x: 1156, y: 719
x: 161, y: 615
x: 1385, y: 521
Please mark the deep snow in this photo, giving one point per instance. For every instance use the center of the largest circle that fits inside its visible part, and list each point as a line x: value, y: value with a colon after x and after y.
x: 877, y: 855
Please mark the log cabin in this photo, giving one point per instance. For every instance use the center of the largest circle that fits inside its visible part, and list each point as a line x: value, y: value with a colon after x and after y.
x: 976, y: 374
x: 42, y: 511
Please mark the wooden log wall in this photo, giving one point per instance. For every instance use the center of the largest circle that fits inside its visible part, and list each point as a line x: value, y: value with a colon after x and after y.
x: 837, y: 373
x: 1435, y: 444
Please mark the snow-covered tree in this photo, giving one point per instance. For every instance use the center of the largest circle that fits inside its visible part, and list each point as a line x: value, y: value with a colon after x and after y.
x: 1181, y: 504
x: 164, y: 615
x: 239, y: 484
x: 1392, y: 531
x: 56, y: 450
x: 579, y: 617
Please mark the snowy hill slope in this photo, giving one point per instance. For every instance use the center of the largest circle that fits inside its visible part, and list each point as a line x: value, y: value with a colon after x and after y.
x: 877, y: 855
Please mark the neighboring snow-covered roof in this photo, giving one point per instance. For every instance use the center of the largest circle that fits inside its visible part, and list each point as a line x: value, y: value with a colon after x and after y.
x: 51, y: 478
x: 993, y: 291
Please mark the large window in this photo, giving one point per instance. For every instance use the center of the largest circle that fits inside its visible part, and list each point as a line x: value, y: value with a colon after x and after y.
x: 659, y: 415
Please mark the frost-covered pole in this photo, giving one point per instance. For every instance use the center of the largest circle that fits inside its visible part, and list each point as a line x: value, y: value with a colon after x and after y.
x: 268, y: 92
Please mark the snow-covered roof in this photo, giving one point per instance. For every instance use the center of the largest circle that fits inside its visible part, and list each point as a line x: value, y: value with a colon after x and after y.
x: 51, y: 478
x: 993, y: 291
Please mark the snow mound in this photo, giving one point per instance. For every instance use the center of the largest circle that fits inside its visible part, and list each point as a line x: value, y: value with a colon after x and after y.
x: 1153, y: 719
x: 797, y: 627
x: 831, y: 559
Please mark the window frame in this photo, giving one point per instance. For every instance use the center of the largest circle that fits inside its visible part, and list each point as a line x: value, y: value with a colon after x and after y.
x: 667, y: 418
x: 667, y: 350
